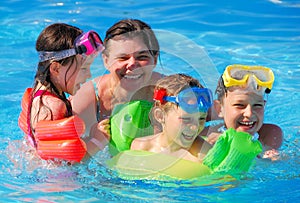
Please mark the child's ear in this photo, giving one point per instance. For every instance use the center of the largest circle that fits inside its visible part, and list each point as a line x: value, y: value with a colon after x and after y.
x: 158, y: 115
x: 105, y: 61
x: 54, y: 68
x: 155, y: 58
x: 218, y: 108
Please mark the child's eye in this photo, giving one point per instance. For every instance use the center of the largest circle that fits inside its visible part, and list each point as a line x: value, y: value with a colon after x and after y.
x: 143, y: 57
x: 259, y: 105
x: 202, y: 119
x: 238, y: 105
x: 185, y: 119
x: 123, y: 58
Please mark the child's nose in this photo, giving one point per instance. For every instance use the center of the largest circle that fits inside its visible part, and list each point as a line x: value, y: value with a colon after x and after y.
x: 248, y: 111
x: 132, y: 63
x: 194, y: 126
x: 88, y: 74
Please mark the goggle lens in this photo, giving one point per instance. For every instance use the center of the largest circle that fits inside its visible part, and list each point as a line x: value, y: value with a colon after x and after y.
x: 89, y: 43
x: 195, y: 99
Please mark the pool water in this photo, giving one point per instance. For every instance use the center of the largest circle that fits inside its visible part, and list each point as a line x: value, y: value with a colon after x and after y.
x: 198, y: 38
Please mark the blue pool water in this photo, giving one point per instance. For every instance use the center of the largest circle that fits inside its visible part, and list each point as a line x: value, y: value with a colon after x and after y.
x: 197, y: 37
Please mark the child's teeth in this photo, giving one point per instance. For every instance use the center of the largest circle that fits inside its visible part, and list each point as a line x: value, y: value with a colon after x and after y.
x: 247, y: 123
x: 132, y: 76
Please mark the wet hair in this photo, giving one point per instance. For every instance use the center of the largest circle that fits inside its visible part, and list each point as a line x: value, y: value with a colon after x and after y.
x: 221, y: 90
x: 129, y: 29
x: 55, y: 37
x: 173, y: 84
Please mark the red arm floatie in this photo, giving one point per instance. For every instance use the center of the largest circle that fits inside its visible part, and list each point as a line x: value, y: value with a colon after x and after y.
x: 63, y: 129
x: 23, y: 122
x: 69, y: 150
x: 59, y: 139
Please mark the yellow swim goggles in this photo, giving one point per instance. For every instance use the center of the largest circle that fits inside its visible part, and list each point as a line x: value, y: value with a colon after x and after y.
x: 235, y: 75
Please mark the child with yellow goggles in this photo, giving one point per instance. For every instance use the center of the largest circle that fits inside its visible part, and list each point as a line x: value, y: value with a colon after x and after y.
x: 239, y: 75
x: 240, y: 104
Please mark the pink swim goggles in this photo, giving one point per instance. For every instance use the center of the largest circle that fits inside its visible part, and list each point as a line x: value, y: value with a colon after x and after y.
x: 87, y: 44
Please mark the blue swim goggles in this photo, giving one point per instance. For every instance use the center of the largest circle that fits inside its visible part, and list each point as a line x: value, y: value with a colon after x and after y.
x: 191, y: 100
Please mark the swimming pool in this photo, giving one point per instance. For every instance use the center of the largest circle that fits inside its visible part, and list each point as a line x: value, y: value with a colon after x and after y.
x: 252, y: 32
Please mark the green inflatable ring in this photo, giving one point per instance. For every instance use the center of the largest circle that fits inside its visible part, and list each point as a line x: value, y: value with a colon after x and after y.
x: 137, y: 164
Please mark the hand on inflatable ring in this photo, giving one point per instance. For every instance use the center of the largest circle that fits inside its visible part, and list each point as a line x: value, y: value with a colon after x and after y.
x: 104, y: 127
x: 100, y: 134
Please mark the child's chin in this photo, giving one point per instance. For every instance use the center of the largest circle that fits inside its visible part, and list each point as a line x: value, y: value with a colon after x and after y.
x: 76, y: 88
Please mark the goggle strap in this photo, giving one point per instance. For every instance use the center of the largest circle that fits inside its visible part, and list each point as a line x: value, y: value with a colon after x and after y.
x: 57, y: 55
x: 172, y: 99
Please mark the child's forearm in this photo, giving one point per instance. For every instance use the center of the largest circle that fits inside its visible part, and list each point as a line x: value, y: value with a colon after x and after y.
x: 99, y: 134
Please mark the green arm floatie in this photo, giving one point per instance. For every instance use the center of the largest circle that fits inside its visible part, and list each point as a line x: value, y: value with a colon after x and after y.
x: 128, y: 121
x: 234, y: 152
